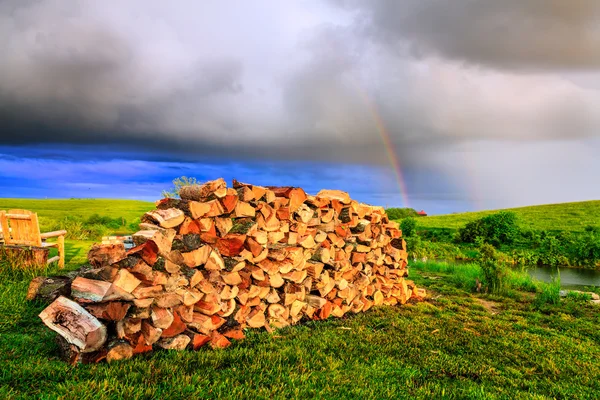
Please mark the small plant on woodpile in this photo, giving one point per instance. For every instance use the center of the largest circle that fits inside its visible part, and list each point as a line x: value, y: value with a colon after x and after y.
x: 178, y: 183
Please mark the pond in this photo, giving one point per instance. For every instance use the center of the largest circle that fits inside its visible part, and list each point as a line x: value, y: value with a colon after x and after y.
x: 570, y: 278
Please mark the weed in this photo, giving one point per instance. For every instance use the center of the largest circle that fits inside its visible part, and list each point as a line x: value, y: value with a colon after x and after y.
x: 549, y: 293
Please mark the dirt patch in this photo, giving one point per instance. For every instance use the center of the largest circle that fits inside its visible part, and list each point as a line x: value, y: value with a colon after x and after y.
x: 491, y: 306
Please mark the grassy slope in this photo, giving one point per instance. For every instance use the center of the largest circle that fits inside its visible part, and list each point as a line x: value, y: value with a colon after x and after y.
x: 449, y: 346
x: 51, y: 211
x: 564, y: 216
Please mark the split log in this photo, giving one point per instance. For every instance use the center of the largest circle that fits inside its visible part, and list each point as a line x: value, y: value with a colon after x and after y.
x: 101, y: 255
x: 75, y: 324
x: 119, y: 350
x: 48, y: 289
x: 111, y: 311
x: 201, y: 192
x: 167, y: 218
x: 178, y: 342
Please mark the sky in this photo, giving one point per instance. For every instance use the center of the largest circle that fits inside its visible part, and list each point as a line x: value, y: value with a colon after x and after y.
x: 436, y: 105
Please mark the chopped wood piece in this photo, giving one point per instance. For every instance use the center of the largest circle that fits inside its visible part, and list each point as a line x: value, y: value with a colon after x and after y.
x: 112, y: 311
x: 126, y: 281
x: 216, y: 208
x: 178, y: 342
x: 151, y: 333
x: 167, y: 218
x: 119, y: 350
x: 198, y: 209
x: 315, y: 301
x: 75, y: 324
x: 89, y: 290
x: 198, y: 340
x: 161, y: 317
x: 232, y: 278
x: 148, y: 251
x: 214, y: 262
x: 256, y: 319
x: 338, y: 195
x: 229, y: 202
x: 196, y: 258
x: 201, y: 192
x: 231, y: 244
x: 48, y: 289
x: 102, y: 255
x: 218, y: 341
x: 176, y: 327
x: 236, y: 334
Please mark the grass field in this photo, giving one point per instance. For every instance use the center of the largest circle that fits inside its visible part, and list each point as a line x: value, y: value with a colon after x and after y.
x: 552, y: 217
x: 454, y: 345
x: 52, y: 211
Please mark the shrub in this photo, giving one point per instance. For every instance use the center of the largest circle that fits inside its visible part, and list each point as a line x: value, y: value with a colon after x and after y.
x: 400, y: 213
x: 496, y: 229
x: 587, y: 249
x: 494, y: 272
x: 178, y: 183
x: 408, y: 226
x: 552, y: 252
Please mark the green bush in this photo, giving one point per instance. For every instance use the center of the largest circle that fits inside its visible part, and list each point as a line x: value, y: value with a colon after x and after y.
x: 552, y: 251
x: 494, y: 272
x: 400, y: 213
x: 587, y: 249
x: 408, y: 226
x: 496, y: 229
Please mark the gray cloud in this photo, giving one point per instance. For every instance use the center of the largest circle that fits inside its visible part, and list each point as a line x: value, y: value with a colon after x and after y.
x: 312, y: 81
x: 523, y: 34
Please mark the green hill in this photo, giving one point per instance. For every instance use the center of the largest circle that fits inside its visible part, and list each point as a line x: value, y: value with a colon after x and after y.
x: 552, y: 217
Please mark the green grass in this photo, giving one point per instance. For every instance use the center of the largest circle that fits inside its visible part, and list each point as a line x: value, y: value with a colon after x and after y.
x: 51, y: 212
x: 552, y: 217
x: 454, y: 345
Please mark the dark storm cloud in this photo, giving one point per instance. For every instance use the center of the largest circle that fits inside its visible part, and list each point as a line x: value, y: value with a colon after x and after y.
x: 528, y: 34
x: 353, y: 82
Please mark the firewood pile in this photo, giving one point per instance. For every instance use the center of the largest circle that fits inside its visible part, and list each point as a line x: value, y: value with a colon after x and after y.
x: 220, y: 260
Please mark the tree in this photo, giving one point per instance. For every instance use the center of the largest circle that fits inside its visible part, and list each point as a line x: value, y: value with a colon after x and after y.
x: 178, y: 183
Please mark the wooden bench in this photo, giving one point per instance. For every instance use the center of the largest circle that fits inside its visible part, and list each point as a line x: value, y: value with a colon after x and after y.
x: 20, y: 228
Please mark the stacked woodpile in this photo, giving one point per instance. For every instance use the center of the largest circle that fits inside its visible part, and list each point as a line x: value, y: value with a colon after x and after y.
x: 220, y: 260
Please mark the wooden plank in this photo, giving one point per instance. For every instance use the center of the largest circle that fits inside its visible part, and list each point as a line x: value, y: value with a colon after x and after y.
x: 53, y: 234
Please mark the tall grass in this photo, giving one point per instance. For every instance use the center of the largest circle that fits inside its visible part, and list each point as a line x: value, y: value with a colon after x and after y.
x: 465, y: 276
x: 549, y: 293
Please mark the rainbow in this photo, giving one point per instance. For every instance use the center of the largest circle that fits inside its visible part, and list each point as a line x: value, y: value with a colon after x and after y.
x: 388, y: 145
